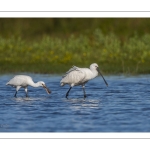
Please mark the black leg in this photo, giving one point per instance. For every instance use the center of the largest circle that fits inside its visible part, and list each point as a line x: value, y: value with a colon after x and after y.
x: 84, y: 91
x: 26, y: 94
x: 15, y: 94
x: 68, y: 92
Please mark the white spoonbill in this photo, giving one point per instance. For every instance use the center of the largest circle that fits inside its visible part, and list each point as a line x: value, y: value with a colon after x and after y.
x: 79, y: 76
x: 24, y: 81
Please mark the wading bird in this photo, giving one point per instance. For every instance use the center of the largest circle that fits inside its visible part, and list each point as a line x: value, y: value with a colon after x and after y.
x: 24, y: 81
x: 79, y: 76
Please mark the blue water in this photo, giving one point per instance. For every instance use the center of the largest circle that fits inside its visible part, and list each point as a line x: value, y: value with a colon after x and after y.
x: 124, y: 106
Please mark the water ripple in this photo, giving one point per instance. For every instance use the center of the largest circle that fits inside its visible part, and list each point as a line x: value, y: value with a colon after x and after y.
x: 121, y: 107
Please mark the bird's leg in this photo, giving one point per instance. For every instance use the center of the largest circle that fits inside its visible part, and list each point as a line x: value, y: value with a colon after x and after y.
x: 17, y: 88
x: 83, y: 87
x: 68, y: 92
x: 26, y: 90
x: 15, y: 94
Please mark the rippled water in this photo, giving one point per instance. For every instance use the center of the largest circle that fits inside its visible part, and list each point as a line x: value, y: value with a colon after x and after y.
x: 124, y: 106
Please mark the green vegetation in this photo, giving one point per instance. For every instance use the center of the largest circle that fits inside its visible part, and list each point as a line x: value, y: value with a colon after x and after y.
x: 117, y: 46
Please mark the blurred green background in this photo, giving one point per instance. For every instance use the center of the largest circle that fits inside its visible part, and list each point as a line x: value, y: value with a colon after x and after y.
x: 53, y: 45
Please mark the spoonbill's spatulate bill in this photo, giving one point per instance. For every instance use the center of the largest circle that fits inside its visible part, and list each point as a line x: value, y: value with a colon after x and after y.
x: 24, y: 81
x: 79, y: 76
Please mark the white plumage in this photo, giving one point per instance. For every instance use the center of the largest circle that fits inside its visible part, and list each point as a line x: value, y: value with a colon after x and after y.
x: 79, y: 76
x: 24, y: 81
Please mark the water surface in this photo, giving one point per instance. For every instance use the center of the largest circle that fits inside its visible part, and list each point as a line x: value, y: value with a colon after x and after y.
x: 123, y: 106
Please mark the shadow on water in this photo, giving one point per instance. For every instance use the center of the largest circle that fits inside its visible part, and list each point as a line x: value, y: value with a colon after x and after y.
x: 26, y: 99
x: 79, y: 103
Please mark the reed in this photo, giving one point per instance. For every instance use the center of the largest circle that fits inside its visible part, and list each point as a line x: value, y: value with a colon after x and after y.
x: 56, y: 54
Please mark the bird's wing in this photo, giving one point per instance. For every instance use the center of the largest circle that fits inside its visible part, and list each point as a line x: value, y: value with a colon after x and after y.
x: 70, y: 70
x: 17, y: 81
x: 74, y: 76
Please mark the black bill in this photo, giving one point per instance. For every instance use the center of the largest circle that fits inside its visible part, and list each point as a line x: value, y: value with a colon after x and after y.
x: 47, y: 89
x: 102, y: 76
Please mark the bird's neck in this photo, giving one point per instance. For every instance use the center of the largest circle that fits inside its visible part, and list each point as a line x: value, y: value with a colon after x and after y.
x: 94, y: 73
x: 34, y: 84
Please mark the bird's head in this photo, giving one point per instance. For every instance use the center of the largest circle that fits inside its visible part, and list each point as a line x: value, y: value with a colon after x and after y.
x: 42, y: 84
x: 95, y: 66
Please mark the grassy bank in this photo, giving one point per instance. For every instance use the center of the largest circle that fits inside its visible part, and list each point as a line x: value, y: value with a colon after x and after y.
x: 56, y: 54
